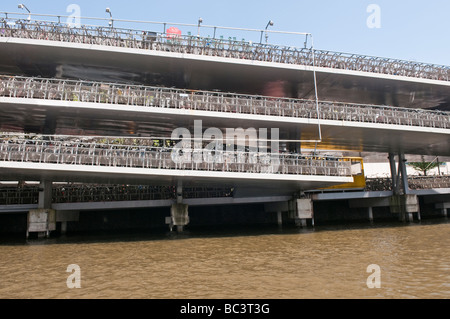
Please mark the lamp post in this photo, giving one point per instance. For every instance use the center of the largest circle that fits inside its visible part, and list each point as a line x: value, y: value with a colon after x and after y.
x: 200, y: 20
x: 108, y: 10
x: 270, y: 23
x: 22, y: 6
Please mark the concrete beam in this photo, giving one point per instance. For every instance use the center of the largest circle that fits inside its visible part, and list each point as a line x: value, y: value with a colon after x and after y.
x: 369, y: 202
x: 276, y: 207
x: 443, y: 205
x: 67, y: 216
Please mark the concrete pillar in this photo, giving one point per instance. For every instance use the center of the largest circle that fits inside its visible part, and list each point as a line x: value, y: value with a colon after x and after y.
x: 43, y: 219
x: 400, y: 173
x: 63, y: 228
x: 304, y: 207
x: 66, y: 216
x: 179, y: 192
x: 278, y: 208
x: 393, y: 173
x: 301, y: 222
x: 443, y: 207
x: 45, y: 194
x: 404, y: 205
x: 404, y: 175
x: 279, y: 218
x: 370, y: 211
x: 180, y: 216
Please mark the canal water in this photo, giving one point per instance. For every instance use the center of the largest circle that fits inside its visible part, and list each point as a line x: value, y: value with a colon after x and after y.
x: 260, y: 262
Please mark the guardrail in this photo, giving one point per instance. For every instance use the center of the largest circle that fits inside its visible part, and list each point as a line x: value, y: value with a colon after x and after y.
x: 414, y: 182
x: 76, y: 193
x: 227, y: 48
x: 147, y: 96
x: 140, y: 153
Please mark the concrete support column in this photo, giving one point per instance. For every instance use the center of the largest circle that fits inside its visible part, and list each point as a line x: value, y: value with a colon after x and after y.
x: 179, y: 215
x: 63, y: 228
x: 399, y: 176
x: 443, y: 207
x: 66, y: 216
x: 304, y: 211
x: 278, y: 208
x: 404, y: 175
x: 393, y: 174
x: 43, y: 219
x: 45, y: 194
x: 279, y: 218
x: 404, y: 206
x: 179, y: 192
x: 301, y: 222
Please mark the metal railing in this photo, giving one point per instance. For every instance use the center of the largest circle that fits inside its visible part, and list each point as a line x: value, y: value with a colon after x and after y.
x: 19, y: 195
x: 414, y: 183
x: 227, y: 48
x: 79, y: 193
x: 141, y: 153
x: 76, y: 193
x: 147, y: 96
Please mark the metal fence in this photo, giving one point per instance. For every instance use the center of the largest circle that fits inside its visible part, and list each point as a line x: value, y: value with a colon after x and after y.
x: 141, y: 153
x: 227, y: 48
x: 147, y: 96
x: 76, y: 193
x: 414, y: 182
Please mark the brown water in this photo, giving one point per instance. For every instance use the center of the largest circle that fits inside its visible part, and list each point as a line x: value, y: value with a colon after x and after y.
x: 327, y: 262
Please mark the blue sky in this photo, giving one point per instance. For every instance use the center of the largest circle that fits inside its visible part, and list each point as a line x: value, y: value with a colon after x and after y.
x: 413, y: 30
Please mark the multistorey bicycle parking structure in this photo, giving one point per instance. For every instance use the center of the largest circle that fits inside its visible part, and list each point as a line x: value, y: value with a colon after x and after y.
x: 220, y: 47
x: 149, y: 96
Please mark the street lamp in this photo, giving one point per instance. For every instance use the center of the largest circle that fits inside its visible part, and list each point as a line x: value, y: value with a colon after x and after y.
x: 108, y: 10
x: 22, y: 6
x: 200, y: 20
x: 271, y: 24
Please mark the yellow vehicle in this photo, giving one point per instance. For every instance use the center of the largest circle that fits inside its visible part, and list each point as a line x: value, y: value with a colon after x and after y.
x: 359, y: 180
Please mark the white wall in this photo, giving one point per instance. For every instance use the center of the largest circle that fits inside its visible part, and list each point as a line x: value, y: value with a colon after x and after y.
x: 383, y: 170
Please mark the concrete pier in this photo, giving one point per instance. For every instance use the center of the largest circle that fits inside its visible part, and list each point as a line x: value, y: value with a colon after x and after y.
x: 444, y: 208
x: 66, y: 216
x: 304, y: 211
x: 370, y: 213
x: 43, y: 219
x: 278, y: 208
x: 179, y: 215
x: 279, y: 218
x: 404, y: 205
